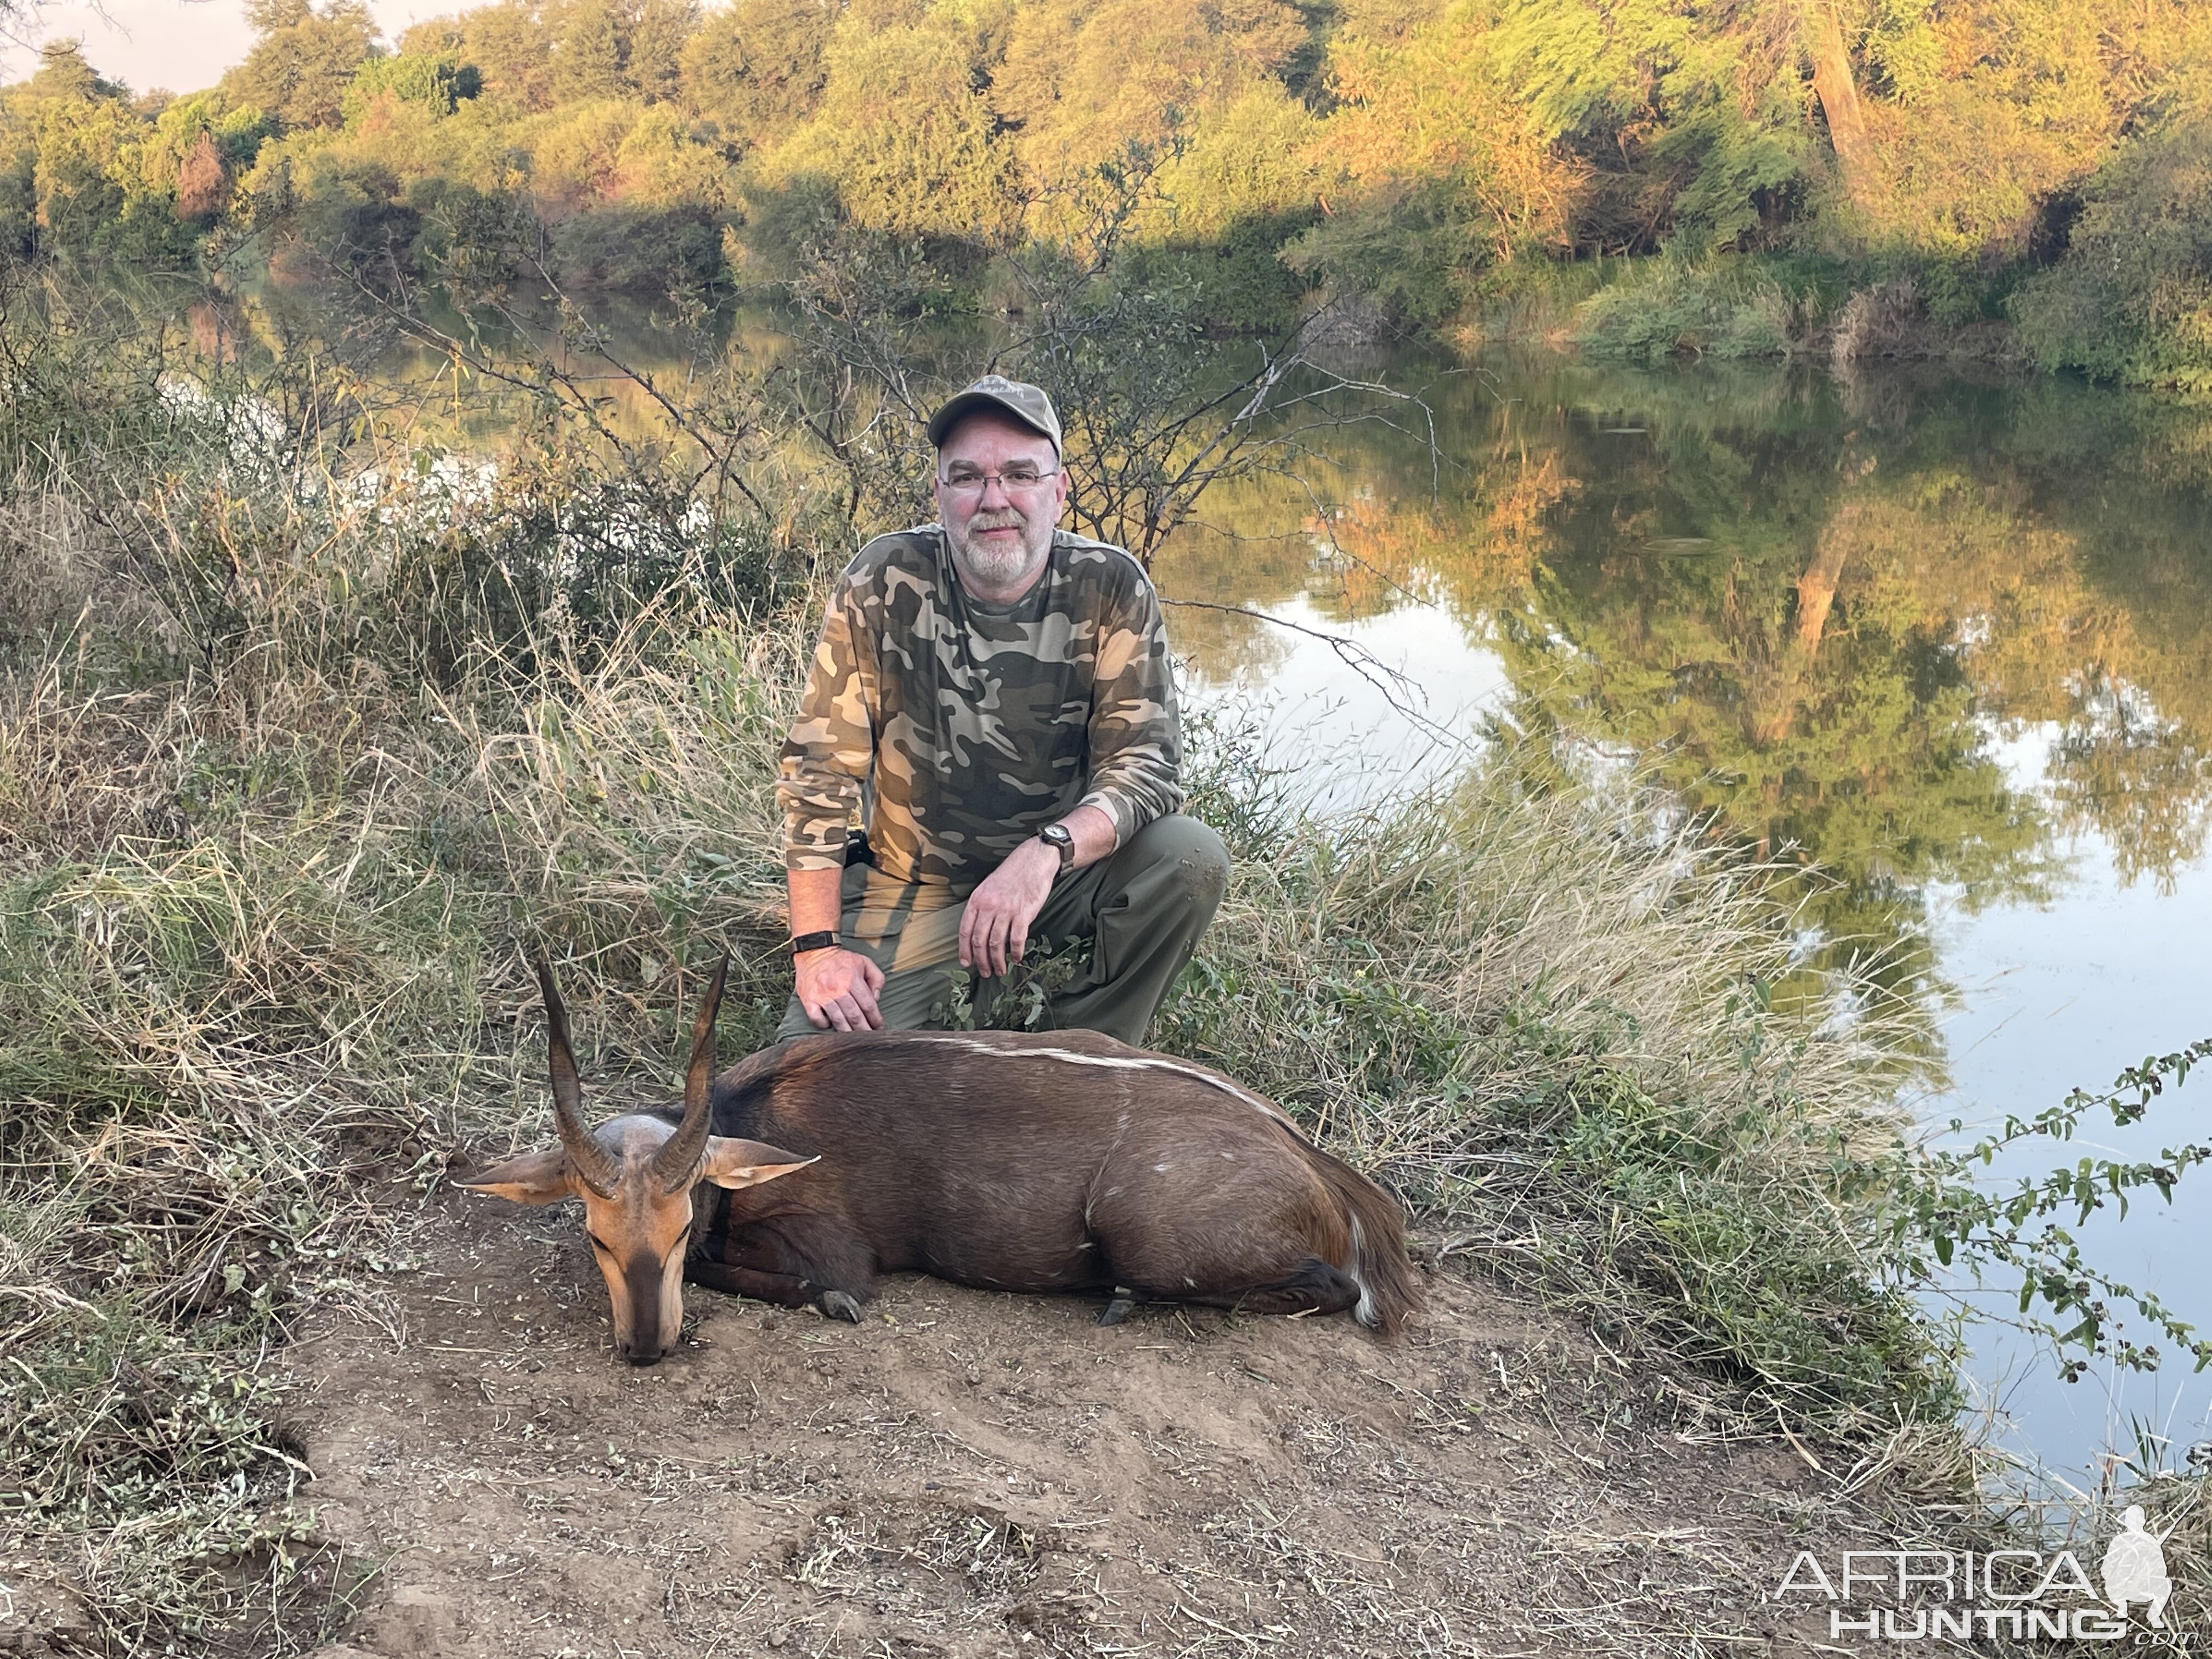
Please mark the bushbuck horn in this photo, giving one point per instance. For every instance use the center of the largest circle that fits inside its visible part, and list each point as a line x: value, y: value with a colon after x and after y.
x: 677, y: 1163
x: 592, y: 1163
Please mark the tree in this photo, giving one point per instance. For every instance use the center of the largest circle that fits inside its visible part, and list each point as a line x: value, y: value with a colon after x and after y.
x: 512, y: 48
x: 1821, y: 37
x: 1426, y: 105
x: 757, y: 67
x: 90, y: 183
x: 79, y: 186
x: 304, y: 60
x: 659, y: 31
x: 1250, y: 160
x: 588, y: 60
x: 203, y: 182
x: 1994, y: 112
x: 82, y: 154
x: 63, y: 74
x: 1081, y: 83
x: 200, y: 145
x: 1683, y: 119
x: 909, y: 146
x: 661, y: 164
x: 576, y: 153
x: 2132, y: 300
x: 437, y: 82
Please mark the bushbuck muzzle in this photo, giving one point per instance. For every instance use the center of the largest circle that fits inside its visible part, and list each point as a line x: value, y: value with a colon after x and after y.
x: 635, y: 1175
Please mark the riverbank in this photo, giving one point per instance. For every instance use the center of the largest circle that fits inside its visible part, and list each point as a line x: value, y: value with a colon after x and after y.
x: 1841, y: 313
x: 290, y: 774
x: 244, y: 1052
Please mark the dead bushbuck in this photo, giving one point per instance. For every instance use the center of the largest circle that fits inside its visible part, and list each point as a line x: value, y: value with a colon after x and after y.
x: 1011, y: 1161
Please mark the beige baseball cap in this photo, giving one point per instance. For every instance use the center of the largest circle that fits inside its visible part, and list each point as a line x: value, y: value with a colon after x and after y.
x: 1026, y: 404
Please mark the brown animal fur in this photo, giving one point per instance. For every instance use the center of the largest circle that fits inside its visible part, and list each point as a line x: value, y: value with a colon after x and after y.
x: 1060, y: 1161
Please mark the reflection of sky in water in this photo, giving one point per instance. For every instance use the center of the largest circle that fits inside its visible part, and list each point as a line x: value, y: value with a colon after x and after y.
x: 2068, y: 994
x: 1355, y: 734
x: 2052, y: 996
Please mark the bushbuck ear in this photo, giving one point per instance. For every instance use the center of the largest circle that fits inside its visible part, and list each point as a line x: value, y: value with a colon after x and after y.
x: 540, y: 1177
x: 734, y: 1163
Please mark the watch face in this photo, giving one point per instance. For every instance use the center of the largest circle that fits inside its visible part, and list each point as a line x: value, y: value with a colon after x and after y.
x: 1057, y: 834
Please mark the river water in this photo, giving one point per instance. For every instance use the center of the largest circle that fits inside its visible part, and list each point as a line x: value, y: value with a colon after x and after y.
x: 1950, y: 642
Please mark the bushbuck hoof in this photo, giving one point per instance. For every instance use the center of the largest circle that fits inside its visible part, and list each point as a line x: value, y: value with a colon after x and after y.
x: 1123, y: 1305
x: 835, y: 1304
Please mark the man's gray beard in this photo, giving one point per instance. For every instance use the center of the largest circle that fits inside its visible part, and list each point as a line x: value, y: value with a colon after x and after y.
x: 996, y: 567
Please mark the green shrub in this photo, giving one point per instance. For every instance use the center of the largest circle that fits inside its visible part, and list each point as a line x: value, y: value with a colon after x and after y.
x: 1241, y: 283
x: 2132, y: 299
x: 1665, y: 307
x: 640, y: 250
x: 1422, y: 253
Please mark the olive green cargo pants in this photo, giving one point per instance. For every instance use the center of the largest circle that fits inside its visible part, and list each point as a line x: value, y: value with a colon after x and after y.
x: 1140, y: 909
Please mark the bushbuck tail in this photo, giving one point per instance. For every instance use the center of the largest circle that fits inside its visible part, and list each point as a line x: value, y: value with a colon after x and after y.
x: 1014, y: 1161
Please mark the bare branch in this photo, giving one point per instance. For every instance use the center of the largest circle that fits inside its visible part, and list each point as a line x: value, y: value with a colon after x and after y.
x: 1399, y: 688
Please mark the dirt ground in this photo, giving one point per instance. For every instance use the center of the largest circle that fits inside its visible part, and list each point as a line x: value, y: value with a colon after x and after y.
x: 970, y: 1473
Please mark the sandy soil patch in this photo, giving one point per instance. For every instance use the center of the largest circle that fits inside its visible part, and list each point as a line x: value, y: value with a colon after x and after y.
x: 968, y: 1474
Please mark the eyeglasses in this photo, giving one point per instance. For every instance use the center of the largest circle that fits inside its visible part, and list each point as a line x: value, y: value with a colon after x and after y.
x: 1016, y: 479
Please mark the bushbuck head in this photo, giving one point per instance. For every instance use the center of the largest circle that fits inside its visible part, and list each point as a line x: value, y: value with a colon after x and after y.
x: 635, y: 1174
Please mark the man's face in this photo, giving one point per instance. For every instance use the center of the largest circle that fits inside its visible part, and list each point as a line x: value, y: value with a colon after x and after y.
x: 999, y: 533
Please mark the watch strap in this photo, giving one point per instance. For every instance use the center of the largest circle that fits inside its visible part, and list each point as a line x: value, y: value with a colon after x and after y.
x: 825, y: 940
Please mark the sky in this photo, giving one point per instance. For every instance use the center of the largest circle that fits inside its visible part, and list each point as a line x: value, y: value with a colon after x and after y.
x: 181, y: 45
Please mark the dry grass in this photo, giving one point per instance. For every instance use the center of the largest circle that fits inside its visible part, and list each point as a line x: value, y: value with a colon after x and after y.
x: 272, y: 837
x: 1547, y: 1019
x: 260, y: 904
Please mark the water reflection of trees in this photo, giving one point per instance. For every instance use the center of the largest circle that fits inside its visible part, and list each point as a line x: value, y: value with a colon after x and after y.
x: 1817, y: 612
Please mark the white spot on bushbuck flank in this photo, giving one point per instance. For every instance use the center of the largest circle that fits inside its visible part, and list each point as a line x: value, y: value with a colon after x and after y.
x: 1162, y: 1168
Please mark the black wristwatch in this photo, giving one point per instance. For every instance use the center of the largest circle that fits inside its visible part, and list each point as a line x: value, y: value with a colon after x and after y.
x: 1058, y: 836
x: 825, y: 940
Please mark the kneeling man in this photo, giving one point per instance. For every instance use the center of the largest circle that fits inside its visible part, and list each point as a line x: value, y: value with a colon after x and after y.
x: 993, y: 699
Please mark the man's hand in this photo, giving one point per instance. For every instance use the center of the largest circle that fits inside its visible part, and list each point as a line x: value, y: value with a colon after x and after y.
x: 838, y: 990
x: 995, y: 927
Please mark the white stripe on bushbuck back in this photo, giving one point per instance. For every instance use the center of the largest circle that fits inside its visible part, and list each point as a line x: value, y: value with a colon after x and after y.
x: 1111, y: 1062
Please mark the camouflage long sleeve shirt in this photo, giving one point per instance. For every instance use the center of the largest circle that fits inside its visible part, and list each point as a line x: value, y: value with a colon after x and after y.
x: 955, y: 730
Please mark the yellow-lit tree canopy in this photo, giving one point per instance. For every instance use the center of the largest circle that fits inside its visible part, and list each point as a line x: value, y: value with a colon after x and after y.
x: 1997, y: 160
